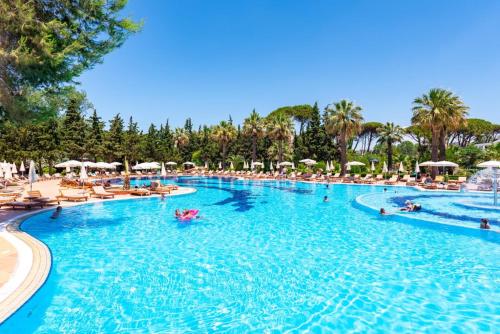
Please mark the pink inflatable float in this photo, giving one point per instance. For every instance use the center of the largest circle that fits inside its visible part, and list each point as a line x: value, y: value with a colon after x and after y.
x: 188, y: 215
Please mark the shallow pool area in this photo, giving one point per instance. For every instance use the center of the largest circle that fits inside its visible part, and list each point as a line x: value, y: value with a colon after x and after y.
x: 265, y: 256
x: 457, y: 209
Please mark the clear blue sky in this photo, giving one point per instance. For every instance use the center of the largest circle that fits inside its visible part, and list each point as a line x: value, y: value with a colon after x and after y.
x: 211, y: 59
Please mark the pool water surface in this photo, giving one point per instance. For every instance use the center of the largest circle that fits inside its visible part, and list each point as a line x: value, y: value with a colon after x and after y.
x: 264, y: 257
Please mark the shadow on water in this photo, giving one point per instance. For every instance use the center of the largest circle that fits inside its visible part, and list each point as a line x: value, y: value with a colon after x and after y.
x: 242, y: 200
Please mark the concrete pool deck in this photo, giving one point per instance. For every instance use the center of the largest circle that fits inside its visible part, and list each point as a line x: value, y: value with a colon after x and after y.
x: 25, y: 261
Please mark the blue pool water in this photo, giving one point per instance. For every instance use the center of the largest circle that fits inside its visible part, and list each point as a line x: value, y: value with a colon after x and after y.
x: 265, y: 257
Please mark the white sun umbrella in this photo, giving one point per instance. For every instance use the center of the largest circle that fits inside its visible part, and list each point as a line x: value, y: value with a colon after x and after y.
x: 354, y: 163
x: 116, y: 163
x: 32, y: 177
x: 7, y: 169
x: 22, y: 169
x: 286, y: 164
x: 206, y: 164
x: 372, y: 166
x: 293, y: 165
x: 69, y: 163
x: 417, y: 168
x: 257, y: 163
x: 14, y: 168
x: 271, y: 168
x: 102, y: 165
x: 83, y: 175
x: 151, y: 165
x: 171, y: 163
x: 401, y: 167
x: 428, y: 164
x: 163, y: 170
x: 189, y: 163
x: 231, y: 166
x: 489, y: 164
x: 220, y: 165
x: 445, y: 163
x: 83, y: 172
x: 308, y: 162
x: 494, y: 165
x: 384, y: 168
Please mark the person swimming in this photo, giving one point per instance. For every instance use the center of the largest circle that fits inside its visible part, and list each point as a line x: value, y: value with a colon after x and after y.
x: 325, y: 199
x: 382, y: 211
x: 57, y: 212
x: 410, y: 206
x: 485, y: 224
x: 177, y: 213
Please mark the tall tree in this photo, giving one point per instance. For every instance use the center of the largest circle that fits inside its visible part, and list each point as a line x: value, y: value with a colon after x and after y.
x: 95, y: 137
x: 115, y: 150
x: 253, y: 126
x: 224, y: 133
x: 280, y: 130
x: 315, y: 135
x: 131, y: 140
x: 439, y: 110
x: 343, y: 120
x: 73, y: 129
x: 45, y: 43
x: 390, y: 134
x: 151, y: 144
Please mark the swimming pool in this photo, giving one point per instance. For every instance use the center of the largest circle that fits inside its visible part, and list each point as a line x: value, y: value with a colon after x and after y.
x: 265, y: 257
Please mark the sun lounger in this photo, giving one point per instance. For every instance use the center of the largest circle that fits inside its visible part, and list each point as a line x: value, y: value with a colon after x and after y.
x: 36, y: 195
x: 6, y: 199
x: 140, y: 192
x: 23, y: 205
x: 65, y: 195
x: 393, y: 180
x: 99, y: 191
x: 411, y: 182
x: 453, y: 187
x: 405, y: 178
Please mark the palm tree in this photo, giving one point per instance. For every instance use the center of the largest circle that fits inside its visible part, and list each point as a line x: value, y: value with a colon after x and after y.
x: 343, y: 119
x: 439, y: 110
x: 253, y: 126
x: 224, y: 133
x: 390, y: 134
x: 280, y: 129
x: 181, y: 138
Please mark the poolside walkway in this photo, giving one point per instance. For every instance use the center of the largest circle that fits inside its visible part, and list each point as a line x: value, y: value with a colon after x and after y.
x: 24, y: 261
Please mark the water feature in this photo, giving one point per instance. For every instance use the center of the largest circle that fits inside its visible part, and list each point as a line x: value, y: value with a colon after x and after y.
x: 485, y: 180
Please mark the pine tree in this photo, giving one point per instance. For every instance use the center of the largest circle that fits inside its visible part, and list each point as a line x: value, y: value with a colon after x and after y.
x: 73, y: 131
x: 132, y: 141
x: 114, y: 143
x: 315, y: 136
x: 95, y: 138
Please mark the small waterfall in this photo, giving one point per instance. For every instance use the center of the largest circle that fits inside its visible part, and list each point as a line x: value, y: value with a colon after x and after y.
x: 482, y: 180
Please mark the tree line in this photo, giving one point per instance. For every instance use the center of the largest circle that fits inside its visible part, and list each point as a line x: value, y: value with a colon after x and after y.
x: 440, y: 130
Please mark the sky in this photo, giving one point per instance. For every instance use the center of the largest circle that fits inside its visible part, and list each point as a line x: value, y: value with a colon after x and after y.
x: 209, y: 60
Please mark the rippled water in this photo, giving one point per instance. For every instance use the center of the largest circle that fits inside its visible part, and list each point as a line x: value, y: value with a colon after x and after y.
x: 266, y: 256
